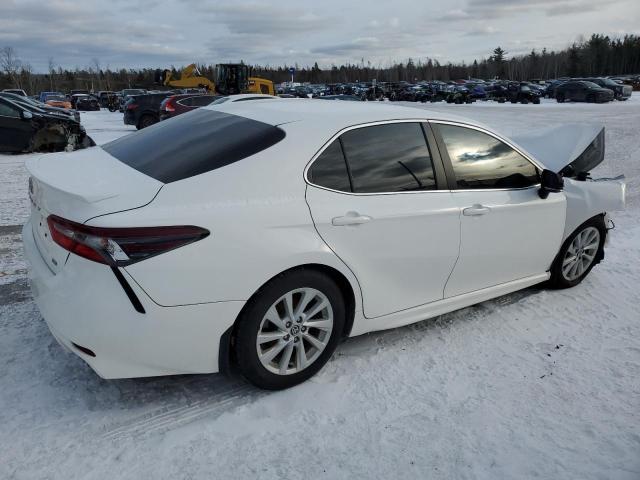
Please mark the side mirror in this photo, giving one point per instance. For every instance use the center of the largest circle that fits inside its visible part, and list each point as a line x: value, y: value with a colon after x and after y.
x: 26, y: 115
x: 550, y: 182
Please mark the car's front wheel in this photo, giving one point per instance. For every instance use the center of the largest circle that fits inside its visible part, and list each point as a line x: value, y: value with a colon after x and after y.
x: 289, y: 329
x: 579, y: 254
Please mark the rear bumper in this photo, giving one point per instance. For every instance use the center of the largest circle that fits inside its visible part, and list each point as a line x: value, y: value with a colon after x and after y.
x: 129, y: 118
x: 85, y: 305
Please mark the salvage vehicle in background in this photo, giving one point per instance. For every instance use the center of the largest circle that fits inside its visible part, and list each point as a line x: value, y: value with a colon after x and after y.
x: 84, y: 102
x: 43, y: 95
x: 582, y: 91
x: 522, y: 93
x: 261, y: 233
x: 144, y: 110
x: 128, y: 93
x: 30, y: 103
x: 182, y: 103
x: 16, y: 91
x: 24, y: 129
x: 620, y: 91
x: 57, y: 100
x: 103, y: 97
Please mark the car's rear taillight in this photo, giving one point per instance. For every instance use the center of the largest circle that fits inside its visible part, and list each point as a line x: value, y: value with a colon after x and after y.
x: 168, y: 106
x: 120, y: 246
x: 132, y: 106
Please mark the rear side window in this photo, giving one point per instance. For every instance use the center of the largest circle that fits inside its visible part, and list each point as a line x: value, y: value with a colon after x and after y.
x: 192, y: 144
x: 389, y: 158
x: 480, y: 160
x: 330, y: 169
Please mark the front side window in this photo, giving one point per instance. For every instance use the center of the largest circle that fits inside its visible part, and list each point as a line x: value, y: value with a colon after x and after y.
x: 480, y: 160
x: 389, y: 158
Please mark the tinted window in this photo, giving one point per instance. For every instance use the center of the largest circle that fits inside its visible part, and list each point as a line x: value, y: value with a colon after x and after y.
x: 202, y: 101
x: 7, y: 110
x: 193, y: 143
x: 330, y: 170
x: 389, y: 158
x: 482, y: 161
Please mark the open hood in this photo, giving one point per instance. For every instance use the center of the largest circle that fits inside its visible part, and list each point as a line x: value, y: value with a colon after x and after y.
x: 580, y: 146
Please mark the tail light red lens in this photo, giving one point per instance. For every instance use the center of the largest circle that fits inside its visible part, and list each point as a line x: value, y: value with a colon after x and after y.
x: 120, y: 246
x: 168, y: 105
x: 132, y: 106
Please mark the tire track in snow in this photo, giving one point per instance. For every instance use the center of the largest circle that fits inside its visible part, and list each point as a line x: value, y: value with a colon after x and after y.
x: 230, y: 395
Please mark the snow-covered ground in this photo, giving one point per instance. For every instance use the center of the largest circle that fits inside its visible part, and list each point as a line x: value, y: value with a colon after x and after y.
x: 536, y: 384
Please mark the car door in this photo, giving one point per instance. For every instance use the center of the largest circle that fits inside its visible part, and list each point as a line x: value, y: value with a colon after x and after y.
x: 15, y: 132
x: 379, y: 200
x: 507, y: 231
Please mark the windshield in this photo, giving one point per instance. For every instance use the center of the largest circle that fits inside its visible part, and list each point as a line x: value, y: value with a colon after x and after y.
x: 55, y: 98
x: 591, y: 85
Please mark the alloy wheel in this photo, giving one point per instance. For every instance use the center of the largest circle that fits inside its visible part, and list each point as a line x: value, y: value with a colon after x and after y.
x: 581, y: 253
x: 295, y: 331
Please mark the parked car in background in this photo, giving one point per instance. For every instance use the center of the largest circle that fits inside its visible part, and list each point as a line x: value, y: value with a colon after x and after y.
x: 582, y: 91
x: 78, y: 92
x: 57, y: 100
x: 144, y: 110
x: 262, y: 233
x: 43, y: 95
x: 84, y: 102
x: 30, y: 129
x: 30, y: 103
x: 103, y: 97
x: 178, y: 104
x: 522, y: 93
x: 128, y: 93
x: 17, y: 91
x: 348, y: 98
x: 620, y: 91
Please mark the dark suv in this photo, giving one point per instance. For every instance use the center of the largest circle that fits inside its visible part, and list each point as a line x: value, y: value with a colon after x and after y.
x: 583, y: 91
x: 620, y: 91
x: 144, y: 110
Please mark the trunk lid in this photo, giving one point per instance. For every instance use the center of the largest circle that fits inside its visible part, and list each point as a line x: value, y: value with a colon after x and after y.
x: 79, y: 186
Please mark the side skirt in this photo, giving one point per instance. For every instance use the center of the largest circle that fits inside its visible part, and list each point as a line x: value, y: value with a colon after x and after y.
x: 399, y: 319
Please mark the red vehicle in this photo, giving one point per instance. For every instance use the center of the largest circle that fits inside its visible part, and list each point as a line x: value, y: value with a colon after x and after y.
x: 177, y: 104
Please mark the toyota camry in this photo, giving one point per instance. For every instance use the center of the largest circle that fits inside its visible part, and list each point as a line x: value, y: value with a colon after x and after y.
x: 258, y: 235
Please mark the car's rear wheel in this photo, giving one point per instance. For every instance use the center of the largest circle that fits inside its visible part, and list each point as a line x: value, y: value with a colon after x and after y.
x: 289, y: 329
x: 560, y: 98
x: 579, y: 254
x: 146, y: 121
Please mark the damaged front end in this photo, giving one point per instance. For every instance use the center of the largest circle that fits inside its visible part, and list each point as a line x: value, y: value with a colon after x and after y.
x: 574, y: 151
x: 57, y: 135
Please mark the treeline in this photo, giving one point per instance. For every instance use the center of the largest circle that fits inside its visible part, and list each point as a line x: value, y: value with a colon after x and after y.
x: 599, y: 55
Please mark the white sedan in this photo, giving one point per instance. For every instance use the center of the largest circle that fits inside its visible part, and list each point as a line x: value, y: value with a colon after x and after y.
x: 259, y: 234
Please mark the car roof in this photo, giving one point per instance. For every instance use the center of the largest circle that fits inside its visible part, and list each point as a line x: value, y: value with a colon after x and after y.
x: 336, y: 114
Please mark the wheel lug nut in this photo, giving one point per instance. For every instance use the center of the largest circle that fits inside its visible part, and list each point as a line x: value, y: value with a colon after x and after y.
x: 288, y: 325
x: 304, y: 329
x: 296, y: 339
x: 299, y: 320
x: 286, y: 337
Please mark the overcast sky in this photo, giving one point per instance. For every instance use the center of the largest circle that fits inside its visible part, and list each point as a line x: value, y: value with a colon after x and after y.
x: 159, y: 33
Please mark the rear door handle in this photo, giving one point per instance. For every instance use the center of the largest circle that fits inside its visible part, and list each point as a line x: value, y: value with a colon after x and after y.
x: 476, y: 210
x: 351, y: 218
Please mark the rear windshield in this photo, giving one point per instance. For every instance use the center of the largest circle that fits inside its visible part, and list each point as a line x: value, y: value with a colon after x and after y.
x: 193, y: 143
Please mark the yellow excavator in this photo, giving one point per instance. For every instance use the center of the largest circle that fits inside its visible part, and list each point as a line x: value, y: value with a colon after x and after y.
x: 231, y: 79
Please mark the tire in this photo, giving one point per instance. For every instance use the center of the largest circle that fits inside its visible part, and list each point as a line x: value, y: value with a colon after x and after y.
x: 560, y: 98
x: 592, y: 234
x: 146, y: 121
x: 536, y: 101
x: 286, y: 341
x: 524, y: 101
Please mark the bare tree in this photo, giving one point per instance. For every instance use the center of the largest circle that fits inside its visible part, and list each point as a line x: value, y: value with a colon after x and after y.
x: 10, y: 65
x: 52, y: 73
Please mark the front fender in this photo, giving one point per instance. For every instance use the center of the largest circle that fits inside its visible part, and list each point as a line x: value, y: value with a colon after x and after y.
x: 586, y: 199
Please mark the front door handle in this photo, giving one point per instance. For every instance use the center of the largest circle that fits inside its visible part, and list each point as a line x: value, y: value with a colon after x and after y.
x: 351, y: 218
x: 476, y: 210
